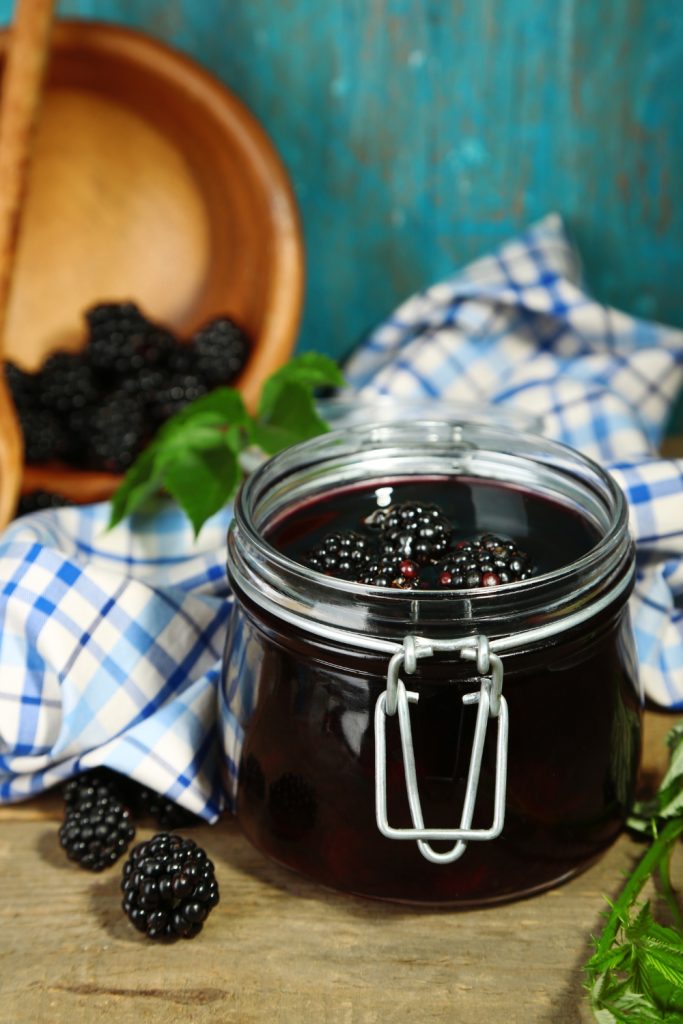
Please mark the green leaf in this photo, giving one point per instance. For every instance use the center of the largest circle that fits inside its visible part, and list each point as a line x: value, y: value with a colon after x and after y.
x: 309, y: 370
x: 202, y: 481
x: 140, y: 482
x: 291, y: 418
x: 196, y: 454
x: 223, y: 406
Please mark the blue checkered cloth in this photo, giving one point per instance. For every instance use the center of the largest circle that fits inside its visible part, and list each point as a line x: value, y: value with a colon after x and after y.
x: 111, y: 643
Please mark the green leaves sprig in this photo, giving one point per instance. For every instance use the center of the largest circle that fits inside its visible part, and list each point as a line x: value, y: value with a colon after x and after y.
x: 635, y: 975
x: 195, y: 456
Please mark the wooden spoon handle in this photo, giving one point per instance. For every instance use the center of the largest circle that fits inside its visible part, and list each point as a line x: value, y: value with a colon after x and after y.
x: 21, y: 92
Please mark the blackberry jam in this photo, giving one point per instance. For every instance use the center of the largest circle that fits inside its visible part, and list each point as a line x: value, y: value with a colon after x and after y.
x: 432, y: 745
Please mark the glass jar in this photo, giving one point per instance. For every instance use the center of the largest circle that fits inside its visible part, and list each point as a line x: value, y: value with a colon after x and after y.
x: 442, y: 747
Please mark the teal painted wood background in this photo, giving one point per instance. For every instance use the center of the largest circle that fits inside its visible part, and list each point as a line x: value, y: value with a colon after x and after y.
x: 420, y: 133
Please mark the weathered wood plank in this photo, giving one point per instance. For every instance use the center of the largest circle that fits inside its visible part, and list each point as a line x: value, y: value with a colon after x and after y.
x: 281, y: 950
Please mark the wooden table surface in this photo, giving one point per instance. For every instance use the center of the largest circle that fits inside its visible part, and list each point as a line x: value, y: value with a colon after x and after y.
x: 279, y: 949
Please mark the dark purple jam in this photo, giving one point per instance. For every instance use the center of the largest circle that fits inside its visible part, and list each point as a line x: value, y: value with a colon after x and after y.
x: 306, y: 793
x: 551, y: 534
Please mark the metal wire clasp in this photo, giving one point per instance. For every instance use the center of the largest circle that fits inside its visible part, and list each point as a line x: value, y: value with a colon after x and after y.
x: 491, y: 703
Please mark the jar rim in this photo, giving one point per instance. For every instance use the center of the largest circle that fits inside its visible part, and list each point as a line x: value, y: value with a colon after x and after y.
x: 543, y: 594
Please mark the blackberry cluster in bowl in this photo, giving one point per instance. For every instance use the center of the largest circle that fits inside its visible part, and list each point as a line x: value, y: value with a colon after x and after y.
x: 414, y: 546
x: 97, y: 409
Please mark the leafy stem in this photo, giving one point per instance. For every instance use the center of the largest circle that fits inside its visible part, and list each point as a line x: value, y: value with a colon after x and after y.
x: 655, y: 859
x: 196, y: 456
x: 636, y: 971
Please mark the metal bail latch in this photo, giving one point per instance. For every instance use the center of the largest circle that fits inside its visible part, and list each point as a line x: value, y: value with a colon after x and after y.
x: 491, y: 703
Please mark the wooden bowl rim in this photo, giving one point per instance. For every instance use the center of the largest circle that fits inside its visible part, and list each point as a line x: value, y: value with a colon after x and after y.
x: 278, y: 333
x: 286, y: 256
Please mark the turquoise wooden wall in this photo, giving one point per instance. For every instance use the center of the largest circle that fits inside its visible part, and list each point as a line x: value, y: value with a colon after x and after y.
x: 420, y: 133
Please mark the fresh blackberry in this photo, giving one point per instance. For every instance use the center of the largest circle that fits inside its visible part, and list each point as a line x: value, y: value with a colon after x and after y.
x: 486, y: 562
x: 66, y: 383
x: 96, y: 830
x: 112, y: 433
x: 413, y: 531
x: 344, y: 554
x: 221, y: 351
x: 22, y: 386
x: 95, y: 785
x: 44, y: 436
x: 175, y: 393
x: 169, y: 887
x: 292, y: 806
x: 167, y: 814
x: 122, y: 340
x: 37, y: 501
x: 144, y: 385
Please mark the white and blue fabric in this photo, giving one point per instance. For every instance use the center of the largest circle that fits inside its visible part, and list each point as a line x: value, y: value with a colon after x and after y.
x: 111, y: 642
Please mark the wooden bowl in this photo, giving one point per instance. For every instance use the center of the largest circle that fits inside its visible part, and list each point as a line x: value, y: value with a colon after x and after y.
x: 151, y: 182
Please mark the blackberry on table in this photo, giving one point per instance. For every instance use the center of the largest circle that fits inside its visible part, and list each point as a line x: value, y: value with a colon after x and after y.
x: 94, y: 785
x: 169, y: 887
x: 96, y: 830
x: 344, y: 554
x: 167, y: 814
x: 221, y: 350
x: 66, y: 383
x: 414, y: 531
x: 292, y: 806
x: 486, y: 562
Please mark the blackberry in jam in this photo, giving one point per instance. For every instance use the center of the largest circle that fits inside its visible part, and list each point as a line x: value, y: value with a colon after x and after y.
x: 345, y: 554
x: 486, y: 562
x: 412, y: 530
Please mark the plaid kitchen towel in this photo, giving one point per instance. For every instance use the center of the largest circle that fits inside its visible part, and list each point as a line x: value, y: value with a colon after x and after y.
x: 111, y: 643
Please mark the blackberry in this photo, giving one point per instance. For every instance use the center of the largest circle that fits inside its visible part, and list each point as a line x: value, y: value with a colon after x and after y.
x: 112, y: 433
x: 22, y: 386
x: 221, y: 351
x: 144, y: 385
x: 37, y: 501
x: 167, y: 814
x: 413, y: 531
x: 96, y: 830
x: 94, y: 785
x: 390, y: 570
x: 292, y: 806
x: 344, y: 554
x: 169, y: 887
x: 44, y: 436
x: 486, y: 562
x: 66, y: 383
x: 174, y: 394
x: 122, y: 340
